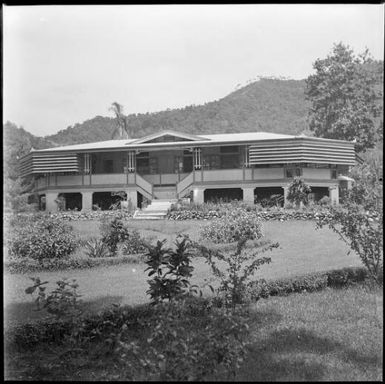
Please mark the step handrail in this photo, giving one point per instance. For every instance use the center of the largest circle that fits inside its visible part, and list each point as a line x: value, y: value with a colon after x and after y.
x: 184, y: 184
x: 144, y: 185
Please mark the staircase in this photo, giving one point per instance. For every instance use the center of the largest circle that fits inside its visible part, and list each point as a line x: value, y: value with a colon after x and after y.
x: 157, y: 210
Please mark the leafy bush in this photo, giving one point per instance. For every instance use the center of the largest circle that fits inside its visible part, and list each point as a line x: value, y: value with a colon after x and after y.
x: 183, y: 347
x: 298, y: 191
x: 273, y: 201
x: 232, y: 227
x: 62, y: 302
x: 40, y: 237
x: 174, y: 282
x: 361, y: 231
x: 235, y: 280
x: 16, y: 195
x: 114, y: 232
x: 367, y: 189
x: 96, y: 248
x: 134, y: 244
x: 309, y: 283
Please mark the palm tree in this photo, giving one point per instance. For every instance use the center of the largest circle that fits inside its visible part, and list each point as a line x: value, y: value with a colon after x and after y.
x: 122, y: 130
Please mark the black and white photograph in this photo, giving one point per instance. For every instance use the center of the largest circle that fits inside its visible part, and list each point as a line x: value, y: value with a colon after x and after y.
x: 193, y: 192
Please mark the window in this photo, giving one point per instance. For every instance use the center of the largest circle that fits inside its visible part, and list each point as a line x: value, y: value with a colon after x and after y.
x: 211, y: 162
x: 293, y: 172
x: 289, y: 173
x: 108, y: 166
x: 142, y: 165
x: 187, y: 163
x: 153, y: 165
x: 333, y: 173
x: 230, y: 161
x: 229, y: 149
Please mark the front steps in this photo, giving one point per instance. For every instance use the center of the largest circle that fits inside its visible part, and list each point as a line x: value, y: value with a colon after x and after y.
x: 157, y: 210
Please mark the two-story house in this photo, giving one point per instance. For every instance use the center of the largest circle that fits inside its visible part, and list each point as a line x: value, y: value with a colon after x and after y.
x: 171, y: 165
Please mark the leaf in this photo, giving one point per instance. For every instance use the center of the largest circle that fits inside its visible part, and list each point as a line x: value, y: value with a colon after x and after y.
x: 30, y: 290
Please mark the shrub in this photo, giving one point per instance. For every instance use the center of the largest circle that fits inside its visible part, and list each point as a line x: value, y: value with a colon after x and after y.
x: 185, y: 348
x: 309, y: 283
x: 40, y: 237
x: 62, y: 302
x: 96, y: 248
x: 171, y: 270
x: 235, y: 280
x: 367, y: 189
x: 232, y: 227
x: 60, y: 202
x: 134, y: 244
x: 114, y: 232
x: 361, y: 231
x: 29, y: 265
x: 298, y: 191
x: 16, y: 195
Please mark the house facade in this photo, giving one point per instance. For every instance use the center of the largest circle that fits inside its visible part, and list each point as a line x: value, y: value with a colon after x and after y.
x: 173, y: 165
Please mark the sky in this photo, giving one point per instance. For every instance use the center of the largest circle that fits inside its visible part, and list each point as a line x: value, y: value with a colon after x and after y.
x: 63, y: 65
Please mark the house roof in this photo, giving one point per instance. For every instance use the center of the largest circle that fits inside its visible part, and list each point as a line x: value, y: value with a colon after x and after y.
x: 222, y: 138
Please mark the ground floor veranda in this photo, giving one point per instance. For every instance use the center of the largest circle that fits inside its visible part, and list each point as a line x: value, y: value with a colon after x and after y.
x: 89, y: 191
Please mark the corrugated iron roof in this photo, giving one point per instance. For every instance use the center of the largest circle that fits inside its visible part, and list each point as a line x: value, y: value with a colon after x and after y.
x: 206, y: 139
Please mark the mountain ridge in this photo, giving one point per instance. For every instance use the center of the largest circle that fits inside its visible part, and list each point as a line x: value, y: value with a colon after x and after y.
x: 260, y: 106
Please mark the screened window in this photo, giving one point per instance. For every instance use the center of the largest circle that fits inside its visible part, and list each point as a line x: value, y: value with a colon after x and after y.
x: 108, y: 166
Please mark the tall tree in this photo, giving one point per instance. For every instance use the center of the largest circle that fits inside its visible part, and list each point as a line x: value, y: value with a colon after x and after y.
x: 344, y: 99
x: 122, y: 131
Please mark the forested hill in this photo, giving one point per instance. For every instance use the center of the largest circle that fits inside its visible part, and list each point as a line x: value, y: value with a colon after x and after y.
x: 18, y: 142
x: 266, y: 105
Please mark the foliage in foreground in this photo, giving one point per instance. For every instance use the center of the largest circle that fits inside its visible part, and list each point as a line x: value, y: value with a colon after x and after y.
x: 170, y: 270
x: 186, y: 339
x: 28, y: 335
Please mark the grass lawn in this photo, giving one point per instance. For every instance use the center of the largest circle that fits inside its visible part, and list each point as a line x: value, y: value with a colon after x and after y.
x: 324, y: 336
x: 302, y: 250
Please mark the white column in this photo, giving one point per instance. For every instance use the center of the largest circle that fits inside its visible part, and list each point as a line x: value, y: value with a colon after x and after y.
x: 87, y: 200
x: 334, y: 194
x: 248, y: 195
x: 50, y: 205
x: 132, y: 198
x: 197, y: 158
x: 198, y: 195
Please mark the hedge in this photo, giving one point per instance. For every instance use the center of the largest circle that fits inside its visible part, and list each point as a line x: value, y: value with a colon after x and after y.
x: 29, y: 265
x: 81, y: 215
x: 278, y: 215
x: 312, y: 282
